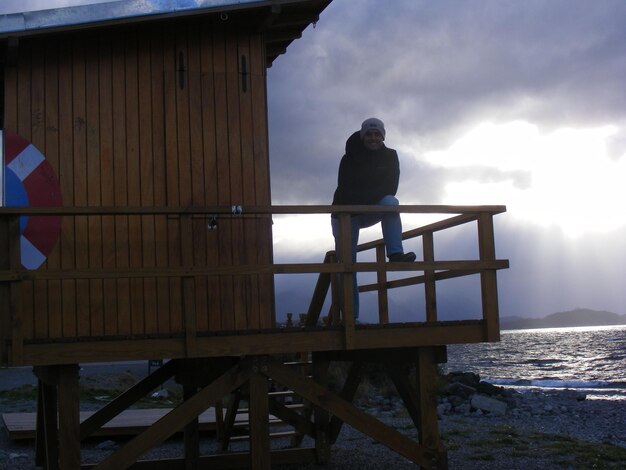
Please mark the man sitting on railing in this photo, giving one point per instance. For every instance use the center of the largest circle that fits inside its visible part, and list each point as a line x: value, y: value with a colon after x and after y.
x: 369, y: 173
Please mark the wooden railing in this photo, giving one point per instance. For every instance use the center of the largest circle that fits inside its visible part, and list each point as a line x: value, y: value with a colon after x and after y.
x: 333, y: 277
x: 433, y: 270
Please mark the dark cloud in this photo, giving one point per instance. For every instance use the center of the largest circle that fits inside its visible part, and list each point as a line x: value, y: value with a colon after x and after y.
x: 432, y: 70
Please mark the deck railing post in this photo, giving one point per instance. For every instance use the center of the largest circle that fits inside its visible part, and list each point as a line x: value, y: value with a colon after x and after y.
x: 488, y: 282
x: 381, y: 279
x: 430, y: 292
x: 347, y: 277
x: 335, y: 305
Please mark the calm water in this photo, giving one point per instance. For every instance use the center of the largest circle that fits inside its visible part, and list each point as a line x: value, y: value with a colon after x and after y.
x: 589, y: 358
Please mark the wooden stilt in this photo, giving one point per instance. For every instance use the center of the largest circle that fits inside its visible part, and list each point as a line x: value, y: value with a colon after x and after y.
x: 321, y: 416
x: 69, y: 417
x: 41, y: 447
x: 58, y: 422
x: 427, y: 385
x: 191, y: 434
x: 259, y: 421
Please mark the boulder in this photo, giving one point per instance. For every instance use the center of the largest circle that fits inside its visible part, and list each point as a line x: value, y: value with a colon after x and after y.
x: 467, y: 378
x: 489, y: 389
x: 491, y: 405
x: 460, y: 389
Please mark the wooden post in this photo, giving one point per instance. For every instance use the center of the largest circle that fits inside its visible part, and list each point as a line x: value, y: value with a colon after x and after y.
x: 58, y: 417
x: 429, y: 275
x: 427, y: 379
x: 191, y: 432
x: 488, y: 282
x: 381, y: 279
x: 47, y: 441
x: 345, y: 257
x: 69, y: 416
x: 335, y: 313
x: 321, y: 416
x: 259, y: 418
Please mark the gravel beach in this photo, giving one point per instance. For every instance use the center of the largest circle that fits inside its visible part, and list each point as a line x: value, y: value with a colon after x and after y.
x: 539, y: 429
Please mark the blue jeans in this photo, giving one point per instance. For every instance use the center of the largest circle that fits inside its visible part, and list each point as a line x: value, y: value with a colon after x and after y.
x: 392, y: 235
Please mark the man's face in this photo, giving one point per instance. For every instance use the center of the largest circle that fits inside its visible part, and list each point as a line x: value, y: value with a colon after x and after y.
x: 373, y: 140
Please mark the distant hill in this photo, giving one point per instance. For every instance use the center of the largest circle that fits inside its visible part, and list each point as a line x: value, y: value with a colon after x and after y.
x: 577, y: 317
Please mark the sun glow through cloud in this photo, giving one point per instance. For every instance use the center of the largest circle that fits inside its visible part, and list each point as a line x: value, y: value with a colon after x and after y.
x: 565, y: 178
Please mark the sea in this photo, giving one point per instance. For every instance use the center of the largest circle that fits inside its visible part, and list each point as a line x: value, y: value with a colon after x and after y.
x: 591, y: 360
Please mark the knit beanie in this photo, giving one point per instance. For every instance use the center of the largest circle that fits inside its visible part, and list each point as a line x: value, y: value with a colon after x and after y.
x: 372, y: 123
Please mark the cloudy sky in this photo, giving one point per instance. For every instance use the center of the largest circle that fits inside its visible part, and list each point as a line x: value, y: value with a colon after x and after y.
x: 487, y: 102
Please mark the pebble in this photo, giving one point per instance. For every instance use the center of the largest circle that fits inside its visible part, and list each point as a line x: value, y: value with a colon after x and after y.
x: 564, y: 412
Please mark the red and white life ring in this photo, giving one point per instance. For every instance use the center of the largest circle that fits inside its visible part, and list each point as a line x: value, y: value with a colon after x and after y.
x: 30, y: 180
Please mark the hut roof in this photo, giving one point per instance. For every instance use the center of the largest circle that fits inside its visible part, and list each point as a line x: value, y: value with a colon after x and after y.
x: 282, y: 21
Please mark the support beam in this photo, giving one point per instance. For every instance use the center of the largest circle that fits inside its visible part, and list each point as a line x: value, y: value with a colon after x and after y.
x: 347, y: 412
x: 58, y: 417
x: 427, y: 378
x: 191, y: 433
x: 47, y: 440
x: 320, y: 415
x: 259, y: 421
x: 126, y: 399
x: 176, y: 419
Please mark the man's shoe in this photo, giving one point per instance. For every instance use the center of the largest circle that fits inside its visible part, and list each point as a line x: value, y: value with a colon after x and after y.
x: 402, y: 257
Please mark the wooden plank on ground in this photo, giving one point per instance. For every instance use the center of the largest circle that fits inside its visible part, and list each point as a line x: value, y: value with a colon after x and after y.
x: 21, y: 426
x: 226, y: 460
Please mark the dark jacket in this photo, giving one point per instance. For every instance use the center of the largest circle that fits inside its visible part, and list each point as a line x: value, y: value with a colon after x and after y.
x: 366, y: 176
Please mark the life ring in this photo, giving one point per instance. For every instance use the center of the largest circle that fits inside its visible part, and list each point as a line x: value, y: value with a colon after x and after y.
x: 30, y: 180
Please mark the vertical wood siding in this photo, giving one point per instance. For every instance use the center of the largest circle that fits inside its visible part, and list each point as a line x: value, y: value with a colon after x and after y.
x: 110, y: 113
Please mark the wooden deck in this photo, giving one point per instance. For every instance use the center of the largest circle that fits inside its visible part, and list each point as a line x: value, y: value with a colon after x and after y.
x: 189, y: 337
x: 271, y: 341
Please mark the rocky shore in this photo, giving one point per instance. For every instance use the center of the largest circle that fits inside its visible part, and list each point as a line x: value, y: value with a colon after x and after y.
x: 482, y: 426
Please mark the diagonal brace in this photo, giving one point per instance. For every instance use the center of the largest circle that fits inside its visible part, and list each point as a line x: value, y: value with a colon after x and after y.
x: 365, y: 423
x: 180, y: 416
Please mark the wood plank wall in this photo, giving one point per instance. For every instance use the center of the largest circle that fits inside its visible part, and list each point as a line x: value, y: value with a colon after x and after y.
x: 148, y: 116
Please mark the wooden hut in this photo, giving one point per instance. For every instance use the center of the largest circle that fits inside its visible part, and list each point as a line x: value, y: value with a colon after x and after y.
x: 153, y: 239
